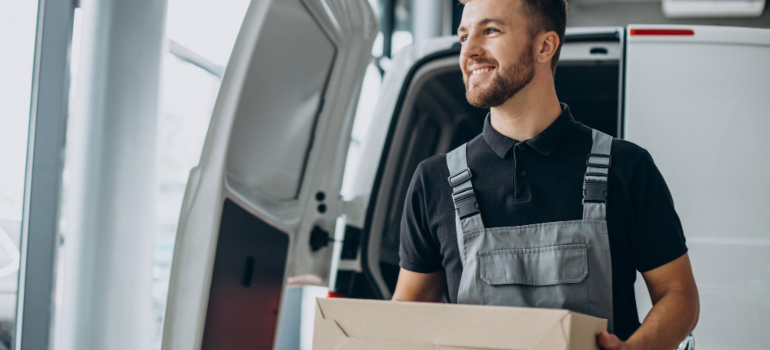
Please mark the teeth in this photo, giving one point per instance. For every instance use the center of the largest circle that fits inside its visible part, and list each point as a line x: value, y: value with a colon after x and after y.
x: 479, y: 71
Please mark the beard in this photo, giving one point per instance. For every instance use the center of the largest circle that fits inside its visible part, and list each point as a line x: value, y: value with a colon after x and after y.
x: 505, y: 84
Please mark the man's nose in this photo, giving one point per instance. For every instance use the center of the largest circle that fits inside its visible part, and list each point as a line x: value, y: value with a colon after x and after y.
x: 472, y: 48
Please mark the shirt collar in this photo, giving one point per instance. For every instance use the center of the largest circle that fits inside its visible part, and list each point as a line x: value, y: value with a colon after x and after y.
x: 545, y: 142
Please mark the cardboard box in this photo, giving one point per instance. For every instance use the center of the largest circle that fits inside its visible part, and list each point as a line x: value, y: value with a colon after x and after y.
x: 354, y: 324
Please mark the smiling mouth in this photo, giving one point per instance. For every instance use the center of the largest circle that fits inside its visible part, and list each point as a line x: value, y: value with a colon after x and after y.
x: 480, y: 71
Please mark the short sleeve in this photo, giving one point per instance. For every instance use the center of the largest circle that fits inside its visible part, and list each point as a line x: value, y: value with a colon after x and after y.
x: 419, y: 250
x: 657, y: 237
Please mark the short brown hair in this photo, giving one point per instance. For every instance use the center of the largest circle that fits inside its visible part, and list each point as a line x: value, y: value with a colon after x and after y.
x: 545, y: 15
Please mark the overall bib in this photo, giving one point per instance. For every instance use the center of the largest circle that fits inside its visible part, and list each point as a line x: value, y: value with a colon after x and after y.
x: 564, y: 265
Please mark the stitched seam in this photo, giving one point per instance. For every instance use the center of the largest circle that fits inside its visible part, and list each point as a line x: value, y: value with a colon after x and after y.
x: 473, y: 233
x: 517, y: 229
x: 484, y: 285
x: 519, y: 251
x: 466, y: 238
x: 524, y: 251
x: 527, y: 227
x: 534, y: 283
x: 585, y: 286
x: 486, y: 296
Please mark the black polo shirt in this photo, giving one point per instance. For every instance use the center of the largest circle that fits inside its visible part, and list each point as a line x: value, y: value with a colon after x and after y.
x: 541, y: 180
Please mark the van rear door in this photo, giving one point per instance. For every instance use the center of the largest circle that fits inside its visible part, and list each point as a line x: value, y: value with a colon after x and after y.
x: 260, y: 207
x: 697, y: 99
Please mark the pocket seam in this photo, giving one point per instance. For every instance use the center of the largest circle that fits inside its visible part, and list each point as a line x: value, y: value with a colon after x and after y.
x: 525, y: 251
x: 571, y: 246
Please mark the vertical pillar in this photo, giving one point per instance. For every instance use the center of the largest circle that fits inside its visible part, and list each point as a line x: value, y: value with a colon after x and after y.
x: 387, y: 25
x: 109, y: 204
x: 431, y: 18
x: 42, y: 188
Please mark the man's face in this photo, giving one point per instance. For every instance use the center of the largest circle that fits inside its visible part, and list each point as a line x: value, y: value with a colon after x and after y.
x: 497, y: 55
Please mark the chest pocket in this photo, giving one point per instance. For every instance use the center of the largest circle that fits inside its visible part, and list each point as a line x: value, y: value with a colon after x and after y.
x: 548, y: 277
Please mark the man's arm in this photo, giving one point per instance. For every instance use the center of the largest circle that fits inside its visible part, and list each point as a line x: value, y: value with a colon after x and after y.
x: 674, y: 313
x: 415, y: 286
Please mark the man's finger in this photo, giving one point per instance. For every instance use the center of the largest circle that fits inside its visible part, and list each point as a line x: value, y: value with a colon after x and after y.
x: 609, y: 341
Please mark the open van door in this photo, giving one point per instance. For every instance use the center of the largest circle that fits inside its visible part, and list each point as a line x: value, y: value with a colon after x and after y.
x: 696, y: 98
x: 260, y: 207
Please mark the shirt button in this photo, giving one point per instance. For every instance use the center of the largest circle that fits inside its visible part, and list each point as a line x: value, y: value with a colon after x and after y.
x: 523, y: 173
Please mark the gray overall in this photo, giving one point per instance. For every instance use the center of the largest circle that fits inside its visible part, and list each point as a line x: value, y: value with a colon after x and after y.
x: 563, y: 265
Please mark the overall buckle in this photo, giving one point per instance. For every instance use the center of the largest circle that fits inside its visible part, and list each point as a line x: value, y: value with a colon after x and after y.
x: 467, y: 207
x: 595, y: 192
x: 465, y: 203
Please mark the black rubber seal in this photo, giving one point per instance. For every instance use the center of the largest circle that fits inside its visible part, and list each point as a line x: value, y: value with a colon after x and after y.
x: 596, y: 37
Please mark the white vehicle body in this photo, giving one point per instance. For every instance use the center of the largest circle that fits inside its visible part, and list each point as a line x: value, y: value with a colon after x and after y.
x: 264, y: 203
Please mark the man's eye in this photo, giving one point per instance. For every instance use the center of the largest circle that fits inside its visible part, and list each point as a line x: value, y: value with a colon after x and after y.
x: 492, y: 30
x: 463, y: 39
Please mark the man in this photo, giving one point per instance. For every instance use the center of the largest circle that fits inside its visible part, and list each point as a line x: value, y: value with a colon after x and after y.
x: 549, y: 213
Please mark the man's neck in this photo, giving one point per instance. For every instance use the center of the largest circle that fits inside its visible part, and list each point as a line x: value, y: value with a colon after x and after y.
x: 528, y: 113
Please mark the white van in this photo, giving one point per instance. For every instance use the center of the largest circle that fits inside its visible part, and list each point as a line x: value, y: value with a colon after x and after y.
x: 264, y: 205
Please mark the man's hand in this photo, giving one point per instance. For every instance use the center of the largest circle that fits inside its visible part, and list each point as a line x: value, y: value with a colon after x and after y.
x: 611, y: 342
x: 674, y: 312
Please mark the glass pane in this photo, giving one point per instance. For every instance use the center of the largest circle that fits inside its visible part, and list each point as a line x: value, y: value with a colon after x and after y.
x: 208, y: 28
x: 187, y: 97
x: 18, y: 22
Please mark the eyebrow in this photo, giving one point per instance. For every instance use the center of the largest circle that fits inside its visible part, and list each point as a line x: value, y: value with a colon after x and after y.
x: 482, y: 22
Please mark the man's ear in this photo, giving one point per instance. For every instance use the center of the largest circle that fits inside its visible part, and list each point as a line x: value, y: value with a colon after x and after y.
x: 548, y: 43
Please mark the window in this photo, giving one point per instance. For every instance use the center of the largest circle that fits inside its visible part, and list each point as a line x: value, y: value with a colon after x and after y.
x: 18, y: 24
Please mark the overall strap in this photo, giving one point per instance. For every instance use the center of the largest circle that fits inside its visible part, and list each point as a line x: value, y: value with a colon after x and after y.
x: 467, y: 215
x: 595, y: 182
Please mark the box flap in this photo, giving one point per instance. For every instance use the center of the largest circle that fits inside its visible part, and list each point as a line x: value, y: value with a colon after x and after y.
x: 327, y: 333
x: 447, y: 325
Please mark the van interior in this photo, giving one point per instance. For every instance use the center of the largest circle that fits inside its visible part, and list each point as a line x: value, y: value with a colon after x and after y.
x: 434, y: 118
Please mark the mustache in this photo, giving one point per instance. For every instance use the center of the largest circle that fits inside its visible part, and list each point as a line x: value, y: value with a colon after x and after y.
x: 490, y: 61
